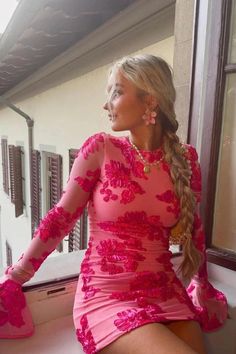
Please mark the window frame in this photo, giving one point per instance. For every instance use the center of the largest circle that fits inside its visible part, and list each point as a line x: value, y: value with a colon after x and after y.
x: 216, y: 73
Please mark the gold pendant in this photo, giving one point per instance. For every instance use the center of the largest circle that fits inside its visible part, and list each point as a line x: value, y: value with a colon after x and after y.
x: 146, y: 169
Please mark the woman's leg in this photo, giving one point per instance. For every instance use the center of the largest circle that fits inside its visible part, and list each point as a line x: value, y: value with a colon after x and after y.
x: 190, y: 332
x: 152, y: 338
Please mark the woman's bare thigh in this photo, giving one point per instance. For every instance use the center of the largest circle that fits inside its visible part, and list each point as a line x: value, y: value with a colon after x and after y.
x: 190, y: 332
x: 152, y: 338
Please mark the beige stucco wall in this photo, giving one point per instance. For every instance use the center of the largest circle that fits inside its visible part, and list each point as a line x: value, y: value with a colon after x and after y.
x: 183, y: 51
x: 64, y: 116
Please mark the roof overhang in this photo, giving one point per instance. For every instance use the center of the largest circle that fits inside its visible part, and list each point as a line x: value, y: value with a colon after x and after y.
x: 45, y: 35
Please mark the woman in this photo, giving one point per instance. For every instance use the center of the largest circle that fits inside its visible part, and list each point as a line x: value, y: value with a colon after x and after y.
x: 141, y: 192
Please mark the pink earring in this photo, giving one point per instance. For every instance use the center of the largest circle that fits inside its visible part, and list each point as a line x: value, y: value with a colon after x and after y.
x: 149, y: 117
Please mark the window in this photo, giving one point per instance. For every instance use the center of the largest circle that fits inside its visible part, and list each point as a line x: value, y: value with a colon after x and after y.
x: 78, y: 237
x: 36, y: 190
x: 16, y: 178
x: 224, y: 222
x: 5, y: 166
x: 213, y: 127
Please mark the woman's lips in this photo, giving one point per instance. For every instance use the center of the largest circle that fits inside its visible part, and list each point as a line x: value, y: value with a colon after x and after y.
x: 112, y: 117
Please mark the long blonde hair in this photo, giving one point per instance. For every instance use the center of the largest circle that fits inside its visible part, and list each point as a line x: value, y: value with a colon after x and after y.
x: 152, y: 75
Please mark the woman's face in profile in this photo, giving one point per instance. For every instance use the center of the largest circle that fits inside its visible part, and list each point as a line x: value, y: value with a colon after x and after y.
x: 125, y: 108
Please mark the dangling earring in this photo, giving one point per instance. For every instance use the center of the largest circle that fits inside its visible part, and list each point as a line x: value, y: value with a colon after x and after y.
x: 149, y: 117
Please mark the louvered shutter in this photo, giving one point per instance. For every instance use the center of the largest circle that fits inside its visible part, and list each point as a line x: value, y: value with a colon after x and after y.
x: 55, y: 173
x: 5, y: 166
x: 11, y: 169
x: 8, y: 254
x: 15, y: 164
x: 78, y: 236
x: 18, y: 181
x: 55, y: 184
x: 83, y: 229
x: 74, y: 238
x: 36, y: 189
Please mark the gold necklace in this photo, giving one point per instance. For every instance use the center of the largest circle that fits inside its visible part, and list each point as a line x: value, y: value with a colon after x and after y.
x: 147, y: 165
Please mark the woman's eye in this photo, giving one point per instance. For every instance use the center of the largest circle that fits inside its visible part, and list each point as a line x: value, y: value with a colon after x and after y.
x: 116, y: 93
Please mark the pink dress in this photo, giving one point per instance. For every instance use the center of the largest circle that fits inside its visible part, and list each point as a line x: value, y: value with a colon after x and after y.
x: 126, y: 278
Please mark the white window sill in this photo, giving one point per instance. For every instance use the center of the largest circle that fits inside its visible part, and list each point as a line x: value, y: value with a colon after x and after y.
x: 57, y: 268
x: 55, y: 333
x: 56, y: 336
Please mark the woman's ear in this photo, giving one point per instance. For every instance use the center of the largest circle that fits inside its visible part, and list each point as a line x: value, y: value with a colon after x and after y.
x: 152, y: 103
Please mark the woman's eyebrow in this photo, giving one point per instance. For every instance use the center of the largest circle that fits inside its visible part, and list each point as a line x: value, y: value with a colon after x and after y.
x: 121, y: 85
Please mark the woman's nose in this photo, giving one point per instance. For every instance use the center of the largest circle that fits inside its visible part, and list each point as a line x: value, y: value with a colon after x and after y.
x: 105, y: 106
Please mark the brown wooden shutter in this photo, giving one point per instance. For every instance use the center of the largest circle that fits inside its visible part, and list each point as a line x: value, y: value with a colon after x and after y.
x: 5, y: 166
x: 55, y: 184
x: 15, y: 164
x: 18, y: 180
x: 78, y: 236
x: 83, y: 229
x: 11, y: 168
x: 36, y: 190
x: 72, y: 155
x: 8, y: 254
x: 55, y: 171
x: 74, y: 238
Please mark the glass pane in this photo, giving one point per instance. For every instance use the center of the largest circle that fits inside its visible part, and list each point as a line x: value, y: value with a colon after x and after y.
x: 224, y: 230
x: 232, y: 41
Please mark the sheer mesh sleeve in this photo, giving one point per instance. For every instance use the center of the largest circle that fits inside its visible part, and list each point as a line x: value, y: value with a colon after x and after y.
x: 16, y: 321
x: 210, y: 303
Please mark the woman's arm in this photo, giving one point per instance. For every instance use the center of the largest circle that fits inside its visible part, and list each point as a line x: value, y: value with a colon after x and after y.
x: 210, y: 303
x: 57, y: 223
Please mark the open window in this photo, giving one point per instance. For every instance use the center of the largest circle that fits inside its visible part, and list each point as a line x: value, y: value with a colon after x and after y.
x: 213, y: 127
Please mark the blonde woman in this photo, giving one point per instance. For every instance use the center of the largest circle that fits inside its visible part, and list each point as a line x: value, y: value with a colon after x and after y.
x: 142, y: 192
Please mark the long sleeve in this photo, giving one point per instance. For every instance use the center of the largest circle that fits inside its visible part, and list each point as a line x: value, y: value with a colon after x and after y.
x: 210, y: 303
x: 16, y: 321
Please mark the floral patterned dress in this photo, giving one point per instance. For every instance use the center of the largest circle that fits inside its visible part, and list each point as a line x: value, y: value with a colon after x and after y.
x: 126, y: 278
